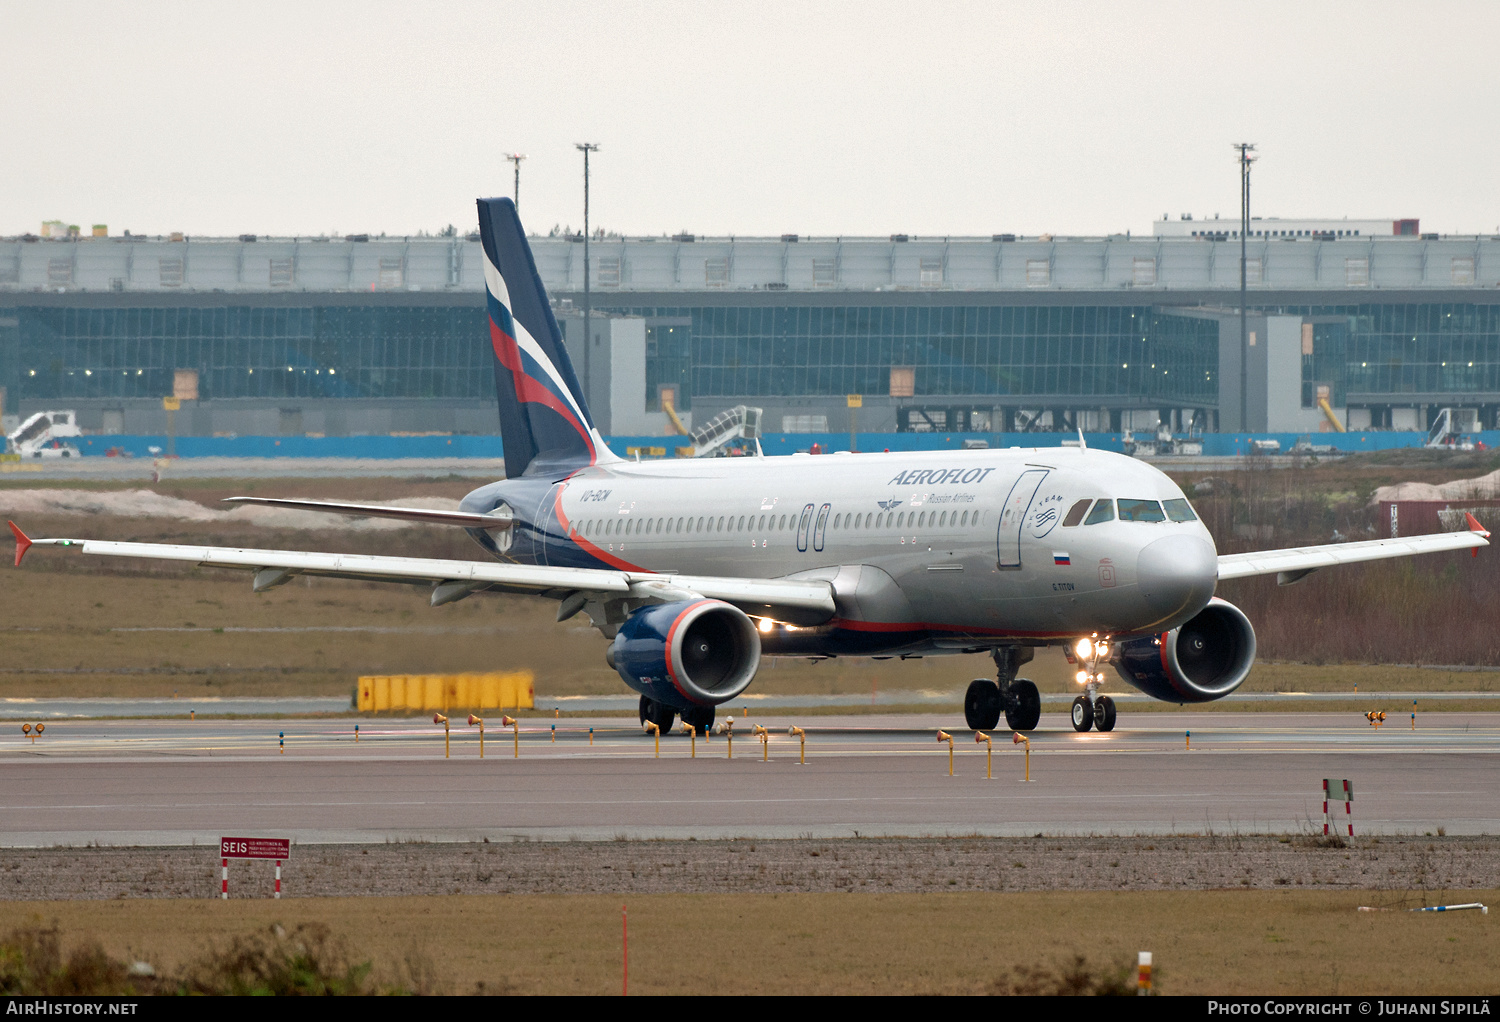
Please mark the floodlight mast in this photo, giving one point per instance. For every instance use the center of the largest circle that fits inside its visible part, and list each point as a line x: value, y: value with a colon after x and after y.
x: 586, y: 148
x: 516, y: 158
x: 1245, y: 149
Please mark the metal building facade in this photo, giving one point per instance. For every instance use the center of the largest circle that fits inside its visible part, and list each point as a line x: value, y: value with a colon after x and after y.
x: 381, y: 335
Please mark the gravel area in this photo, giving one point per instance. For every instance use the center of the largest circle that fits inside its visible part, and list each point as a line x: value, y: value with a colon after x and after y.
x: 991, y: 864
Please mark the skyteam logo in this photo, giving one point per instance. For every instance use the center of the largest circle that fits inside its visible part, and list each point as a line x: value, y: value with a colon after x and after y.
x: 889, y: 505
x: 1045, y: 514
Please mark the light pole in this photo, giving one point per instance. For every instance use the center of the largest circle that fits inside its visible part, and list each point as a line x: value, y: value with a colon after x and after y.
x: 1245, y: 149
x: 588, y: 340
x: 516, y: 158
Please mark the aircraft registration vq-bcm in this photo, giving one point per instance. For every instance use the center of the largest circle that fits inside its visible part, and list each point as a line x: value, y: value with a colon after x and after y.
x: 695, y: 569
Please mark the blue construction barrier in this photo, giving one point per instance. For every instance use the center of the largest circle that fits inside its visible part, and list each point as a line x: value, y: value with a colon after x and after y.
x: 301, y: 446
x: 1214, y: 444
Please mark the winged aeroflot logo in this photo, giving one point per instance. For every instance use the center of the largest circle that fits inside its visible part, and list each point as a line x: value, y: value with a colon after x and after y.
x: 889, y: 505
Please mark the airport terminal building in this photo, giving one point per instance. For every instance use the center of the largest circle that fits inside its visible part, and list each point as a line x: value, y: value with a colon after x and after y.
x: 376, y: 335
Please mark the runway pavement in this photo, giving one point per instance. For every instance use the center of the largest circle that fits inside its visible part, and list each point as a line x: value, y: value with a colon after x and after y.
x: 181, y: 782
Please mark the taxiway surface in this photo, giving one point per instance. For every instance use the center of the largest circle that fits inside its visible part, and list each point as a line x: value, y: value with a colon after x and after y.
x: 181, y: 782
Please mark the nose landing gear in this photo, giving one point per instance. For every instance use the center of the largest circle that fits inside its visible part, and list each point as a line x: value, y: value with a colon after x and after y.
x: 1097, y: 713
x: 1091, y: 710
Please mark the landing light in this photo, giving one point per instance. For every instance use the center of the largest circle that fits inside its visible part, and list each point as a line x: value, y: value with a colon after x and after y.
x: 1082, y: 677
x: 1084, y: 649
x: 766, y: 624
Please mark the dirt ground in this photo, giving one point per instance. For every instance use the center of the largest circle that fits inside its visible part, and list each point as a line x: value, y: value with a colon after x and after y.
x: 1217, y: 942
x: 74, y: 633
x: 1378, y: 864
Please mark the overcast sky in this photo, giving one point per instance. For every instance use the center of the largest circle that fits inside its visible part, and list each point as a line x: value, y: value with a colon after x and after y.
x: 748, y: 118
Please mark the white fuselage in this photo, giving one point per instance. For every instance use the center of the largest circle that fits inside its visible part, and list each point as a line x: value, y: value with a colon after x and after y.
x: 967, y: 547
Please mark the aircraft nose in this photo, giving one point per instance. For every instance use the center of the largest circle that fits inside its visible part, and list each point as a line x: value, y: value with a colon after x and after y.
x: 1176, y: 577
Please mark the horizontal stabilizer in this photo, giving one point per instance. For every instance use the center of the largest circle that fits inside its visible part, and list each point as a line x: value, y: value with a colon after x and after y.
x: 467, y: 519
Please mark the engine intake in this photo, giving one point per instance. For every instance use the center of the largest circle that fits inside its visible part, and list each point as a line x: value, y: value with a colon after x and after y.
x: 1205, y: 659
x: 693, y: 653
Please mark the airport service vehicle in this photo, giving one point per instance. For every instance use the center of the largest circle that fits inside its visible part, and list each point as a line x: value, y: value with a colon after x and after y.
x: 41, y: 436
x: 695, y: 569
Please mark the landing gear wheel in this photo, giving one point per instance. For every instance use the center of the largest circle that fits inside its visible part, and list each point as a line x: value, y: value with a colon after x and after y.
x: 700, y: 717
x: 657, y: 713
x: 1083, y: 714
x: 1104, y: 713
x: 982, y: 705
x: 1025, y: 708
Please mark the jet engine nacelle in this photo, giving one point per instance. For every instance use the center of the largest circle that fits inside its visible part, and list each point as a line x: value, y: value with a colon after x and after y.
x: 1205, y: 659
x: 693, y: 653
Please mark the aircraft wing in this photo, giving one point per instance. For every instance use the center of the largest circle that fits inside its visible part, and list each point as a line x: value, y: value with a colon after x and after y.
x: 1296, y: 563
x: 796, y: 601
x: 468, y: 519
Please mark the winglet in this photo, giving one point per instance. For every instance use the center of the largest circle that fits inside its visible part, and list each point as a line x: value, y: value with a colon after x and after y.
x: 1473, y: 522
x: 23, y: 542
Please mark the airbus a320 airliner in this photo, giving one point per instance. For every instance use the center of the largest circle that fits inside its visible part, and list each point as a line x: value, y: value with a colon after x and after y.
x: 696, y: 569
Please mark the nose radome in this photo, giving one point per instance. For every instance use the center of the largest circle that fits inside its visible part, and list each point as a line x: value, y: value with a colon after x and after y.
x: 1176, y: 577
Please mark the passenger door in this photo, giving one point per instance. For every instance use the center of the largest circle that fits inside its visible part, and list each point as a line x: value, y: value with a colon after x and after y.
x: 821, y: 527
x: 804, y: 526
x: 1013, y: 515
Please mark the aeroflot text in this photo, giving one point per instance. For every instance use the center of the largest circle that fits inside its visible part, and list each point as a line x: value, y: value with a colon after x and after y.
x: 937, y: 477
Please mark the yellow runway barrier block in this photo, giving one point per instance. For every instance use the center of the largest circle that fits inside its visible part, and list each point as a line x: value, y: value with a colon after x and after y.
x: 489, y: 690
x: 493, y: 690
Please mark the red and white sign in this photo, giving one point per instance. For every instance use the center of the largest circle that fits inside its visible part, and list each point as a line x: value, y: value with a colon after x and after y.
x: 255, y: 848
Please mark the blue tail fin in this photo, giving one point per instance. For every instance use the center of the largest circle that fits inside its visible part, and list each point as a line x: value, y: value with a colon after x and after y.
x: 544, y: 419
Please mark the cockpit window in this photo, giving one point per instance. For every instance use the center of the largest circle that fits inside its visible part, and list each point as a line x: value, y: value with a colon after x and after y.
x: 1075, y: 514
x: 1140, y: 510
x: 1179, y: 510
x: 1104, y: 511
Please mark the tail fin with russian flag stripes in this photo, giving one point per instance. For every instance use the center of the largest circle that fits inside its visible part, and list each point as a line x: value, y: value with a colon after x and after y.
x: 544, y: 419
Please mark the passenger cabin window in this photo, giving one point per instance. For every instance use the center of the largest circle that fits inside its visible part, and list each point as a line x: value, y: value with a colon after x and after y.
x: 1075, y: 513
x: 1179, y: 510
x: 1140, y: 511
x: 1104, y: 511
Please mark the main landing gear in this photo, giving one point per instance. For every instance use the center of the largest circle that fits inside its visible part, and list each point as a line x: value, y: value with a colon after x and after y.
x: 1017, y: 698
x: 662, y: 715
x: 657, y: 713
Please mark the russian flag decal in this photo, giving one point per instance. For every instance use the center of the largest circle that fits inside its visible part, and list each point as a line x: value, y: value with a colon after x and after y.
x: 1060, y: 557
